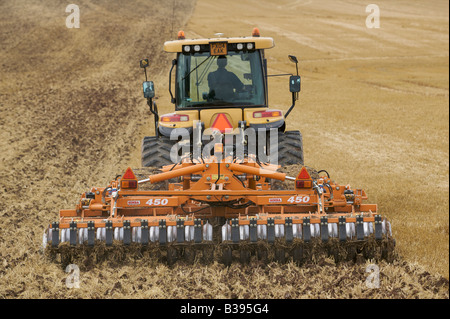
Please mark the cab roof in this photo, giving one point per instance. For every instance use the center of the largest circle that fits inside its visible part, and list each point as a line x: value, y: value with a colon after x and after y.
x: 260, y: 42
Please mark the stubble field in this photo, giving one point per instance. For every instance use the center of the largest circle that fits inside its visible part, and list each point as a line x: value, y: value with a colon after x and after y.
x: 373, y: 112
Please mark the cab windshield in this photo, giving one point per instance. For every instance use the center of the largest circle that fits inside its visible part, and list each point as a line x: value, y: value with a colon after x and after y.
x: 234, y: 79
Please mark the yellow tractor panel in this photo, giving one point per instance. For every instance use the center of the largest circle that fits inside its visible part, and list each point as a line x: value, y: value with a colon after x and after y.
x: 260, y: 43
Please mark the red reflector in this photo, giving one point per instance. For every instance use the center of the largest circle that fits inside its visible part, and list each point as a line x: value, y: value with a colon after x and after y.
x: 302, y: 184
x: 129, y: 174
x: 303, y: 174
x: 128, y: 184
x: 221, y: 123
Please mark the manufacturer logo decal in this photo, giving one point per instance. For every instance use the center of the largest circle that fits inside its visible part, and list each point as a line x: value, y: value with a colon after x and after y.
x: 275, y: 200
x: 133, y: 202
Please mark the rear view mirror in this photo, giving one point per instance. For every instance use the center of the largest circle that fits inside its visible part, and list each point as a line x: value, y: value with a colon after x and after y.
x: 293, y: 58
x: 144, y: 63
x: 149, y: 89
x: 294, y: 83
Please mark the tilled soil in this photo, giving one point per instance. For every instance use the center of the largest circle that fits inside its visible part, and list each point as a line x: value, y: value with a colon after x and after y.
x: 72, y: 116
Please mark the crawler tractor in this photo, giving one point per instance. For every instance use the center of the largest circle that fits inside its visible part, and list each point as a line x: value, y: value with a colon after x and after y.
x: 221, y: 87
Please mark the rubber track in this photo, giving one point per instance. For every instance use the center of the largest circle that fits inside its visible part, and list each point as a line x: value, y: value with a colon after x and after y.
x: 290, y: 148
x: 156, y: 151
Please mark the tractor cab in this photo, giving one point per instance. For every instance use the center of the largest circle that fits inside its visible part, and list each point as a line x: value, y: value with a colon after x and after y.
x: 220, y: 73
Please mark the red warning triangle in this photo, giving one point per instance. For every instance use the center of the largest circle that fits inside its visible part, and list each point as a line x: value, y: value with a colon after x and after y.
x: 303, y: 174
x: 129, y: 174
x: 221, y: 123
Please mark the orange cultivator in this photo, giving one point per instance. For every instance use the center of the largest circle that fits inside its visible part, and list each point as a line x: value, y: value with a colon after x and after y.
x: 223, y: 207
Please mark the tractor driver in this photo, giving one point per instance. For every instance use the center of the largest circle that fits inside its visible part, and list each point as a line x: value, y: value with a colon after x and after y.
x: 222, y: 82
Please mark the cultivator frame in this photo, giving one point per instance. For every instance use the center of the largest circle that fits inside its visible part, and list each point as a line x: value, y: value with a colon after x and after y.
x: 223, y: 206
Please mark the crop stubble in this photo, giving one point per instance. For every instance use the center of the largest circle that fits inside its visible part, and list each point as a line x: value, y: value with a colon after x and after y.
x: 72, y: 115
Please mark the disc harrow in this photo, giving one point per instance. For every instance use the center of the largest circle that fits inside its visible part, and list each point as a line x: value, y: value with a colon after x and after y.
x: 222, y: 211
